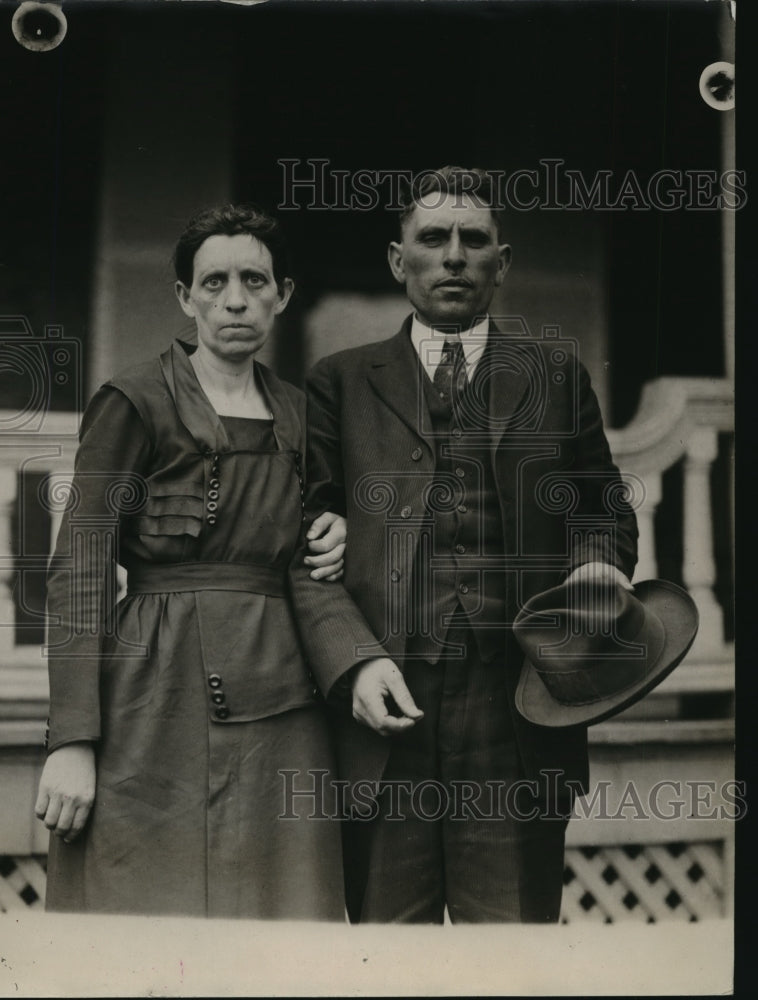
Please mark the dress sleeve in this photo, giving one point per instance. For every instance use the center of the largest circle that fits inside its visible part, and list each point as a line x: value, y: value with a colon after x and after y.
x: 113, y: 452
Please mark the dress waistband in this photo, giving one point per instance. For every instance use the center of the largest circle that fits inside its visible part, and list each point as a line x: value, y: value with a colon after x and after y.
x: 178, y: 577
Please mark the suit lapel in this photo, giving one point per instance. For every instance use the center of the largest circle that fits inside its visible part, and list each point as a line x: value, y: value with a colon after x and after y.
x: 508, y: 378
x: 395, y: 375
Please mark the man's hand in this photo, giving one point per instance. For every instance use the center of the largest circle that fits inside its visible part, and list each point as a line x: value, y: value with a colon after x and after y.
x: 376, y: 684
x: 326, y: 543
x: 67, y: 790
x: 599, y: 572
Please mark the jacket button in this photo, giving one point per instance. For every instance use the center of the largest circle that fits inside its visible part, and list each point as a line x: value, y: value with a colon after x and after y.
x: 463, y: 588
x: 460, y: 549
x: 211, y: 506
x: 460, y: 473
x: 462, y: 508
x: 214, y: 681
x: 314, y: 692
x: 416, y: 454
x: 218, y: 697
x: 222, y: 713
x: 406, y: 512
x: 457, y: 432
x: 211, y: 519
x: 395, y: 575
x: 214, y: 484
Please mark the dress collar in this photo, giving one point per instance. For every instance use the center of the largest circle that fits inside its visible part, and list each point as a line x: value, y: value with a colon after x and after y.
x: 201, y: 420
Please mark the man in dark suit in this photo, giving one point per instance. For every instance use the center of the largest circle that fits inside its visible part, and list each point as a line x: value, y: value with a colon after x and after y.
x: 474, y: 473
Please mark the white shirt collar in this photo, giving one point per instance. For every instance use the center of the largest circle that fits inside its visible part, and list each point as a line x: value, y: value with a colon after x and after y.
x: 428, y: 344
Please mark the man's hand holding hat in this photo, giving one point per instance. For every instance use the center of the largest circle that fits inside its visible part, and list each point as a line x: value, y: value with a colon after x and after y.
x: 599, y: 572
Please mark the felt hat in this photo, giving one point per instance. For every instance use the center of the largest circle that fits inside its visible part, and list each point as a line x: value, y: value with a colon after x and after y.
x: 594, y: 649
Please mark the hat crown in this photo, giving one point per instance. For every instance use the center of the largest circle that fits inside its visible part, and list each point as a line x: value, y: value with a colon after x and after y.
x: 589, y: 640
x: 583, y: 647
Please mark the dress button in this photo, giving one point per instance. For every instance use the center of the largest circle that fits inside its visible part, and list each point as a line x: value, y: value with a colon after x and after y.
x: 213, y: 494
x: 211, y: 506
x: 460, y: 549
x: 218, y: 697
x: 214, y: 681
x: 214, y: 484
x: 314, y: 692
x: 463, y: 588
x: 211, y: 519
x: 416, y: 454
x: 406, y: 512
x: 460, y: 473
x: 462, y: 508
x: 395, y: 575
x: 222, y: 713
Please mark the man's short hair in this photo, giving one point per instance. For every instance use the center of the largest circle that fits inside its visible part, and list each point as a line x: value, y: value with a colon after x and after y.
x: 231, y: 220
x: 477, y: 184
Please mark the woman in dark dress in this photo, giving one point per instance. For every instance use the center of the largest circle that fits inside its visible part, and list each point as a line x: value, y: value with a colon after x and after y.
x: 174, y: 714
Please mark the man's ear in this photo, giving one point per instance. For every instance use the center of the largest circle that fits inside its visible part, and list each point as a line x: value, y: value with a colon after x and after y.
x: 504, y: 253
x: 285, y: 289
x: 183, y: 294
x: 395, y: 258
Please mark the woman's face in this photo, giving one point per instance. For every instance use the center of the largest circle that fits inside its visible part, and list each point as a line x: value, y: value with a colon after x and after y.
x: 233, y: 297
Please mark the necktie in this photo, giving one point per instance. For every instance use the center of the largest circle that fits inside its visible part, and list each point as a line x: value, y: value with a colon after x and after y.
x: 450, y: 375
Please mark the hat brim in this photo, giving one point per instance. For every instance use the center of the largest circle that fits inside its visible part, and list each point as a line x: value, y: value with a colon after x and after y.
x: 680, y: 618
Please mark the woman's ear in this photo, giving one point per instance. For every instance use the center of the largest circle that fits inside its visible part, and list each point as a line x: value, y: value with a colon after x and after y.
x: 183, y: 294
x: 286, y: 288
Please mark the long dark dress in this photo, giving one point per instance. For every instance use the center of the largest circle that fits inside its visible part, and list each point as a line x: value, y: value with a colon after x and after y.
x: 195, y: 691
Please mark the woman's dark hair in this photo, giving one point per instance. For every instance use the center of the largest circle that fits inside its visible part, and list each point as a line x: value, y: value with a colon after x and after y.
x: 231, y: 220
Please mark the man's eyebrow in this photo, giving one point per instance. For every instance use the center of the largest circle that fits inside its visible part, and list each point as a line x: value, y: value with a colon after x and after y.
x: 435, y: 229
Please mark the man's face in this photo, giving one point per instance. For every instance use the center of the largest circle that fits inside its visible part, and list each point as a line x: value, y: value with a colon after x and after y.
x: 449, y: 259
x: 233, y: 297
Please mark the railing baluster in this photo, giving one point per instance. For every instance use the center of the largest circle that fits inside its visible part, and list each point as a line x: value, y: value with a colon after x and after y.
x: 699, y: 565
x: 647, y: 562
x: 8, y: 491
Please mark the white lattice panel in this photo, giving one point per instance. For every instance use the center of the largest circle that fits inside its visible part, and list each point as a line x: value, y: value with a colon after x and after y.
x: 22, y: 882
x: 648, y: 883
x: 602, y: 884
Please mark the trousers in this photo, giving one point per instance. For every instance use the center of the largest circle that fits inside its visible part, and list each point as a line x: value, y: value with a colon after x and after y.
x: 455, y: 824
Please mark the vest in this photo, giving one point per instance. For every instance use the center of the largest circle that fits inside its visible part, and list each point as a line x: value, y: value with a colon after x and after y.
x: 461, y: 535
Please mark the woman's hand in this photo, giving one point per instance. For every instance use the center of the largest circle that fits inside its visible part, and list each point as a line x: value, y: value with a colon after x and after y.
x: 67, y: 790
x: 326, y: 544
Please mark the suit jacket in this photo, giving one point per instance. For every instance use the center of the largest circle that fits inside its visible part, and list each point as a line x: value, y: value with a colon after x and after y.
x: 371, y: 455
